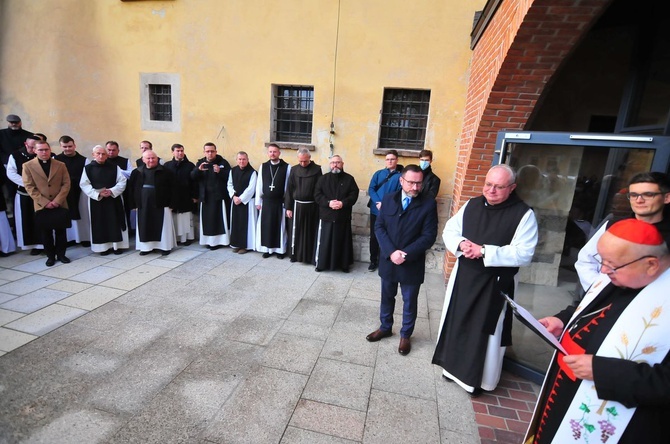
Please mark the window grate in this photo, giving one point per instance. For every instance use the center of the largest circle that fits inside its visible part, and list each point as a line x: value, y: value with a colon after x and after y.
x: 404, y: 119
x: 160, y: 103
x: 294, y: 109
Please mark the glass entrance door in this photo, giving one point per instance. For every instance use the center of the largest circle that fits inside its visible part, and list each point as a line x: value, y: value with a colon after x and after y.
x: 573, y: 182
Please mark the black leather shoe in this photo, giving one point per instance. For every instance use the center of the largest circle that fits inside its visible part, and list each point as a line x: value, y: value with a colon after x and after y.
x: 117, y: 252
x: 85, y: 244
x: 405, y: 346
x: 293, y: 259
x: 266, y: 255
x: 36, y: 252
x: 144, y: 253
x: 51, y: 262
x: 345, y: 269
x: 280, y: 256
x: 318, y: 270
x: 372, y: 266
x: 107, y: 252
x: 64, y: 259
x: 165, y: 252
x: 378, y: 335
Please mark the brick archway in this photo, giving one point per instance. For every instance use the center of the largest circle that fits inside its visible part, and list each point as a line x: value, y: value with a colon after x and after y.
x: 523, y: 46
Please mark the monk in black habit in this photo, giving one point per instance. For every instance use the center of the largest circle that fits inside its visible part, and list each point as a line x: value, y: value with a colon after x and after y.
x: 211, y: 174
x: 301, y: 208
x: 186, y: 194
x: 104, y: 183
x: 75, y: 163
x: 270, y: 189
x: 336, y: 193
x: 241, y: 188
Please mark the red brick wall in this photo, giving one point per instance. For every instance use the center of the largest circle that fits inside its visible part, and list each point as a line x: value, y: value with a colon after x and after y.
x: 521, y: 49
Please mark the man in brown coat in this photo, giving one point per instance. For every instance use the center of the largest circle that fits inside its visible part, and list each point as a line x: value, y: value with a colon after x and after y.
x: 47, y: 181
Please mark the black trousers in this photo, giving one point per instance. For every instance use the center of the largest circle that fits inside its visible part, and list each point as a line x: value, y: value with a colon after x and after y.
x: 51, y: 248
x: 374, y: 245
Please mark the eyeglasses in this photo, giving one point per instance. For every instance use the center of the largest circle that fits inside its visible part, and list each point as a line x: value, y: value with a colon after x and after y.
x: 644, y: 196
x: 489, y: 186
x: 413, y: 184
x: 613, y: 270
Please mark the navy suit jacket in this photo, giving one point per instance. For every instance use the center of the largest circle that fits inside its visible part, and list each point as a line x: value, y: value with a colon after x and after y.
x: 412, y: 230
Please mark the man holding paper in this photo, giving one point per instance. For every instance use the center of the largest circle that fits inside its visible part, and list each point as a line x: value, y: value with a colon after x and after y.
x: 615, y: 384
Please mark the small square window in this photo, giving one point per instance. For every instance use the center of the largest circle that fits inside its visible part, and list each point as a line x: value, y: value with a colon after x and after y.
x: 404, y: 119
x: 293, y: 113
x: 160, y: 102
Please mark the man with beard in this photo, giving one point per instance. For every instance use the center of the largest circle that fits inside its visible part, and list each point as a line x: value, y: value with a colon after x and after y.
x: 270, y: 189
x: 492, y: 236
x: 241, y: 188
x: 76, y: 201
x: 24, y: 210
x: 211, y: 174
x: 103, y: 183
x: 186, y: 195
x: 301, y: 209
x: 152, y: 194
x: 47, y: 182
x: 336, y: 193
x: 406, y: 227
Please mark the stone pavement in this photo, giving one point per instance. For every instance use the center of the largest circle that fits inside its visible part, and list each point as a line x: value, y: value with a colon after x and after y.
x: 211, y: 347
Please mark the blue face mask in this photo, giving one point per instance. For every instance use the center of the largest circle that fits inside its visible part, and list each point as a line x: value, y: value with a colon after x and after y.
x: 424, y: 164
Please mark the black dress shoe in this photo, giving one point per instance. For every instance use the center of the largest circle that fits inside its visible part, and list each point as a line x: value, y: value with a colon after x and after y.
x: 280, y: 256
x: 36, y: 252
x: 345, y: 269
x: 85, y: 244
x: 266, y: 255
x: 293, y: 259
x: 378, y: 335
x: 64, y: 259
x: 107, y: 252
x: 318, y: 270
x: 214, y: 247
x: 120, y: 251
x: 144, y: 253
x: 165, y: 252
x: 372, y: 266
x: 404, y: 347
x: 187, y: 243
x: 51, y: 262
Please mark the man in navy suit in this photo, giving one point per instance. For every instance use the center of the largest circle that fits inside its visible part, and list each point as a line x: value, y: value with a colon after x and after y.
x: 406, y: 227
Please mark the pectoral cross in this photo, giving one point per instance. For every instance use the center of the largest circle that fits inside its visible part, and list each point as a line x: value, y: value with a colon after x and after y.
x: 272, y: 187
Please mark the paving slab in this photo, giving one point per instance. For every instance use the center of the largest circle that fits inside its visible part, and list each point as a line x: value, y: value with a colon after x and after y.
x: 294, y: 435
x: 83, y: 426
x: 389, y: 419
x: 11, y: 339
x: 292, y: 353
x: 46, y: 319
x: 27, y: 284
x: 259, y: 409
x: 340, y: 383
x: 329, y: 420
x: 35, y: 300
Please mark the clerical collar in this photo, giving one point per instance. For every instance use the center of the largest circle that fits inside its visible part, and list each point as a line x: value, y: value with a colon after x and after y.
x: 45, y: 161
x: 275, y: 163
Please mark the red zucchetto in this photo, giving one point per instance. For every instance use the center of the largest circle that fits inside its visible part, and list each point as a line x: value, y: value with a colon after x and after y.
x: 636, y: 231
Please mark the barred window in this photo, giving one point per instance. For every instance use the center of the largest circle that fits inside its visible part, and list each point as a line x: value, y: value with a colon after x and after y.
x: 160, y: 102
x: 404, y: 119
x: 293, y: 113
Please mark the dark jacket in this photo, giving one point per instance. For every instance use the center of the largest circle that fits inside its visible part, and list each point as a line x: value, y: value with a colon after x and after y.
x: 165, y: 184
x: 431, y: 183
x: 186, y: 189
x: 341, y: 187
x: 412, y: 230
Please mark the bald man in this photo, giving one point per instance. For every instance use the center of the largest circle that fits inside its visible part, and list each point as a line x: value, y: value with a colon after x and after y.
x: 614, y: 384
x: 152, y: 194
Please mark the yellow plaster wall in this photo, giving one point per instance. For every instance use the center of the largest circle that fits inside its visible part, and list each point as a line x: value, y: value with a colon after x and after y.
x: 73, y: 67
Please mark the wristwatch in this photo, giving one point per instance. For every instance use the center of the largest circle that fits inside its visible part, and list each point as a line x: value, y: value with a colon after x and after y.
x: 483, y: 251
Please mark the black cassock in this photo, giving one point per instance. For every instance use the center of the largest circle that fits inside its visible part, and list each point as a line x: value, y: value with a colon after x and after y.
x: 213, y: 194
x: 75, y: 166
x: 239, y: 214
x: 303, y: 226
x: 272, y: 212
x: 108, y: 219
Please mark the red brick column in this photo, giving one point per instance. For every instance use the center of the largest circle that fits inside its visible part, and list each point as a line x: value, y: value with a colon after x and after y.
x: 523, y: 46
